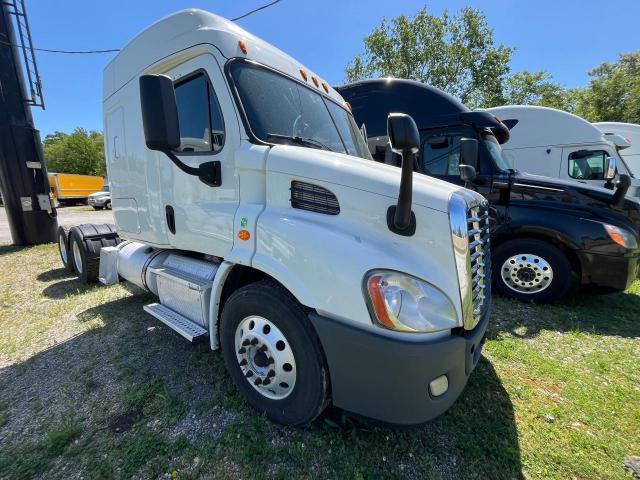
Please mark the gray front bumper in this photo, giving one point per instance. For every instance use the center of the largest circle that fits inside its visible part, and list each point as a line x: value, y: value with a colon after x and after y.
x: 376, y: 375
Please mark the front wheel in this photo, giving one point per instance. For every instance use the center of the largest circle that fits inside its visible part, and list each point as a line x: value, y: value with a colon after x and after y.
x: 273, y: 354
x: 98, y: 207
x: 531, y: 270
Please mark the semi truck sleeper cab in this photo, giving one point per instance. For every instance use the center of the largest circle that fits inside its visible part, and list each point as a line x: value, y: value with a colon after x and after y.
x: 245, y: 198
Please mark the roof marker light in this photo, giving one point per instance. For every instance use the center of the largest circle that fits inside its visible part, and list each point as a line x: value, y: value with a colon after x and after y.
x: 348, y: 105
x: 243, y: 46
x: 315, y: 81
x: 303, y: 74
x: 325, y: 86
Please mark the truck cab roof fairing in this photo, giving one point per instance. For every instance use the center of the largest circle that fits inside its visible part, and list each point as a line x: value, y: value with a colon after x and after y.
x: 190, y: 28
x: 426, y: 104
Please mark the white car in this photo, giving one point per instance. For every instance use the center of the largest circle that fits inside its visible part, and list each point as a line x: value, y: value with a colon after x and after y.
x: 101, y: 199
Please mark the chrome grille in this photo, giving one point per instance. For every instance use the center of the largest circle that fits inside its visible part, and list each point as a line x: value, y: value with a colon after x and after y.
x: 480, y: 258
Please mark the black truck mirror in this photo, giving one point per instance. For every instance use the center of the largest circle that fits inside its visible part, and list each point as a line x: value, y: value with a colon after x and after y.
x: 467, y: 173
x: 405, y: 140
x: 159, y: 113
x: 469, y: 152
x: 162, y: 129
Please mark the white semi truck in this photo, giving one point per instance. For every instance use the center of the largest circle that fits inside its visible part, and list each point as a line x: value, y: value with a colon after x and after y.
x: 321, y: 275
x: 557, y: 144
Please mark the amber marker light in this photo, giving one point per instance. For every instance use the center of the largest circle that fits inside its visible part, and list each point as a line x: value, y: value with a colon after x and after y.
x: 348, y: 105
x: 243, y: 46
x: 303, y: 74
x: 325, y: 86
x: 315, y: 81
x: 244, y: 235
x: 377, y: 302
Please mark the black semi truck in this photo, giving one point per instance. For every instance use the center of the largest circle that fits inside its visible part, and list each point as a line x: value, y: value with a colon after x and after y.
x: 546, y: 234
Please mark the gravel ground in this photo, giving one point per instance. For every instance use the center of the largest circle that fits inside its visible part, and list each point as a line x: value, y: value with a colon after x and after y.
x: 66, y: 216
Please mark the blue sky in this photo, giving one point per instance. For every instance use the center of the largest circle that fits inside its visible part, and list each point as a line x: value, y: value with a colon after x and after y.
x: 564, y: 37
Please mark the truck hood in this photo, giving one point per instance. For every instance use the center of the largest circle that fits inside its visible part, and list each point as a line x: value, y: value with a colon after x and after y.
x: 359, y: 173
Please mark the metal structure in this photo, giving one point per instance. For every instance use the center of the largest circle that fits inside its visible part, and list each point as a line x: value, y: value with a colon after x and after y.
x: 23, y: 174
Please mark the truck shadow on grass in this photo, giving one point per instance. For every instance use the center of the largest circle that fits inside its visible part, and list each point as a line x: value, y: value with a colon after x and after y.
x: 615, y: 314
x: 130, y: 397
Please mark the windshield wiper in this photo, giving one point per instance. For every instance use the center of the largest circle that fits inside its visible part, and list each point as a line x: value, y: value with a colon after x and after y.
x: 310, y: 142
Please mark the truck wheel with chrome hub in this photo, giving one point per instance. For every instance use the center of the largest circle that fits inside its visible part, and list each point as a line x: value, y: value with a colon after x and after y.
x: 273, y: 354
x: 529, y: 269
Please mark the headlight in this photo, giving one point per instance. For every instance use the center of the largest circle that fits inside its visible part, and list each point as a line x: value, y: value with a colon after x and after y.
x: 621, y: 236
x: 402, y: 302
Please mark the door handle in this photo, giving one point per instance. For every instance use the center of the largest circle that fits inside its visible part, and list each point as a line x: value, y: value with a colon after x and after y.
x: 171, y: 218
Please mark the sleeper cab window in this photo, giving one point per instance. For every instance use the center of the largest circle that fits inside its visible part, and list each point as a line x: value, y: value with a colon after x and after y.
x: 199, y: 116
x: 587, y: 164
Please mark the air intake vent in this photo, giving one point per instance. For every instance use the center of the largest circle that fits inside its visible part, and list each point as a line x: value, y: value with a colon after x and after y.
x: 480, y: 255
x: 307, y: 196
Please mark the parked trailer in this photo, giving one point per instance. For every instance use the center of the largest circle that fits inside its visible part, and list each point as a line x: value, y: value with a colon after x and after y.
x: 321, y: 276
x: 70, y: 188
x: 544, y: 232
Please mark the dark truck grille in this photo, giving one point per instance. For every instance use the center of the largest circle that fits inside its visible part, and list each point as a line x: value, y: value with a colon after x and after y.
x: 307, y: 196
x: 480, y: 256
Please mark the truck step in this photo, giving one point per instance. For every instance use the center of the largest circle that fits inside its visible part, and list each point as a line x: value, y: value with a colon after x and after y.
x: 179, y: 323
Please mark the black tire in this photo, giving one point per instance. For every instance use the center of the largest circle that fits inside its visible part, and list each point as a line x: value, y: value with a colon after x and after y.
x: 63, y: 248
x: 97, y: 207
x: 310, y: 394
x: 87, y: 266
x: 108, y: 205
x: 559, y: 282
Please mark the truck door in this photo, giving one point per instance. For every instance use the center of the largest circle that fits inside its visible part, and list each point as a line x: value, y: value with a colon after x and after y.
x: 200, y: 217
x: 585, y: 164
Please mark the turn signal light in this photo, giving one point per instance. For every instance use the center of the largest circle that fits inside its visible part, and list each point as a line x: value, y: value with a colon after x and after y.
x: 243, y: 46
x: 377, y: 301
x: 303, y: 74
x: 244, y: 235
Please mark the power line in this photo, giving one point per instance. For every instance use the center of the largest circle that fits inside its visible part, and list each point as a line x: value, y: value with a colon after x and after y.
x: 255, y: 10
x: 112, y: 50
x: 74, y: 52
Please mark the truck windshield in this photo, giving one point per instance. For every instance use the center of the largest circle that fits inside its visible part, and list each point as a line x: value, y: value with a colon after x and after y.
x: 495, y: 150
x: 281, y: 110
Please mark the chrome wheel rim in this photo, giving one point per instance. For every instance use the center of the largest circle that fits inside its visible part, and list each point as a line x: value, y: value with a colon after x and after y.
x: 527, y: 273
x: 62, y: 245
x: 265, y: 357
x: 76, y: 257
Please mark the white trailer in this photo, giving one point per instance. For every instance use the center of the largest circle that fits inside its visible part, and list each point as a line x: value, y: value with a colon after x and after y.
x: 245, y: 198
x: 550, y: 142
x: 630, y: 132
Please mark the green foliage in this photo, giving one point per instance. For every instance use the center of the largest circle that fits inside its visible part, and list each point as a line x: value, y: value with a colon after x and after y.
x: 454, y: 53
x: 536, y: 88
x: 78, y: 152
x: 613, y: 93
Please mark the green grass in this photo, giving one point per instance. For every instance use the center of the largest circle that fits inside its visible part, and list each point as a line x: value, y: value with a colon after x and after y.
x: 92, y: 387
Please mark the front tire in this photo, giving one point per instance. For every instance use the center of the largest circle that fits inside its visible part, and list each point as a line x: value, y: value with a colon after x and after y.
x: 98, y: 207
x: 273, y: 354
x: 531, y: 270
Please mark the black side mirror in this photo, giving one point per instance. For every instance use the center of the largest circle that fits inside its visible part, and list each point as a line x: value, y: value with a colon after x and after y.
x: 621, y: 191
x: 162, y: 129
x: 159, y: 113
x: 403, y: 133
x: 405, y: 140
x: 469, y: 152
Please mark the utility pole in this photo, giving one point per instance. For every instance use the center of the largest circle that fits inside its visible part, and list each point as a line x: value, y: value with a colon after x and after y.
x: 23, y: 174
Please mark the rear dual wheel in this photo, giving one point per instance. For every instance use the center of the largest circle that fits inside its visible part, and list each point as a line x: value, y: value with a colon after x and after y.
x: 85, y: 242
x: 273, y: 354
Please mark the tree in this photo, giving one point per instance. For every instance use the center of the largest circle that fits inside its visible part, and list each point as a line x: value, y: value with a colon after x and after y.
x: 536, y: 88
x: 454, y: 53
x: 613, y: 93
x: 79, y: 152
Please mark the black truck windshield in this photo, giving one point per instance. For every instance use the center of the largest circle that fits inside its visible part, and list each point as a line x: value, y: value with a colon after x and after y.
x: 495, y: 150
x: 281, y: 110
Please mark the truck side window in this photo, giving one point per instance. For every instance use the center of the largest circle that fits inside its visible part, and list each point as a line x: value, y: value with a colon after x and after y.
x: 587, y: 164
x: 199, y: 115
x: 441, y: 155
